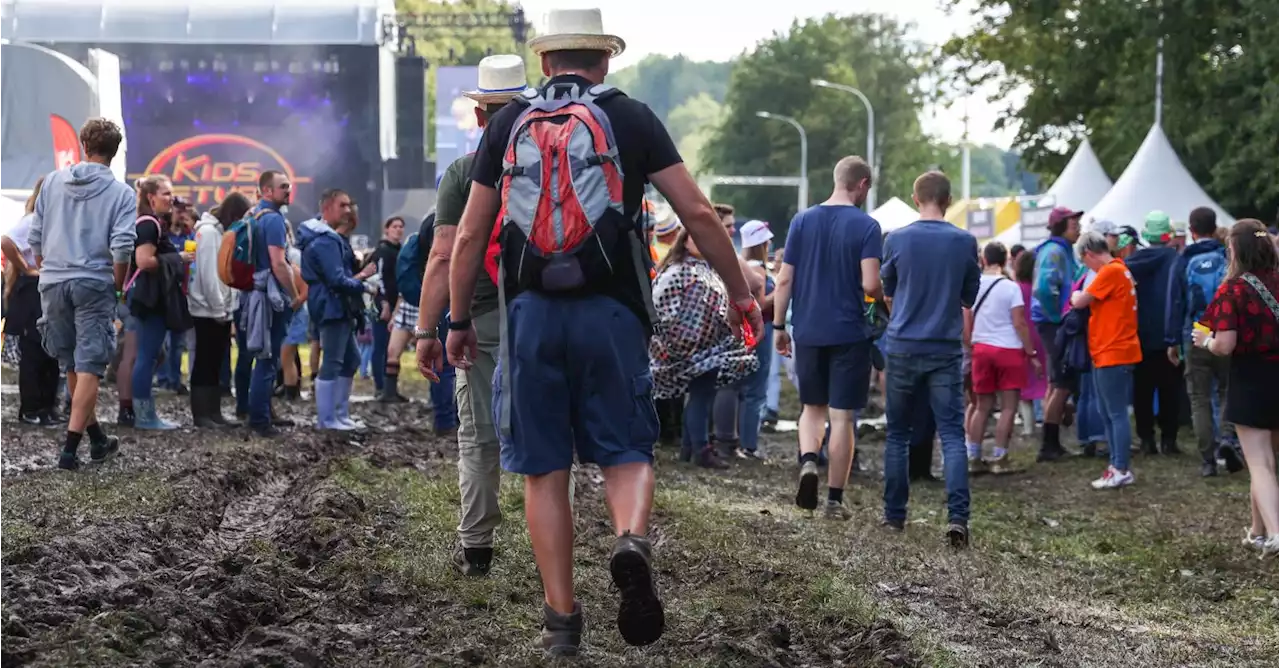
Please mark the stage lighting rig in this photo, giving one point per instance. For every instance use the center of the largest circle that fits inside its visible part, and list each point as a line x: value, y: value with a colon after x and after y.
x: 405, y: 29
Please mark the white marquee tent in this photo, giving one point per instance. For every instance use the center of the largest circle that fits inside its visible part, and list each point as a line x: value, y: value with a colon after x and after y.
x: 894, y: 214
x: 1154, y: 180
x: 1083, y: 182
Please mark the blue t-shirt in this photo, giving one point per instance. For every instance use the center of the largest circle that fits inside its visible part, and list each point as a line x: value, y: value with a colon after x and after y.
x: 268, y: 230
x: 931, y: 272
x: 825, y: 247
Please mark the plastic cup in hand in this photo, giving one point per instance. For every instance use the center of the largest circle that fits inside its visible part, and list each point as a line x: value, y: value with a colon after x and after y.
x: 189, y: 246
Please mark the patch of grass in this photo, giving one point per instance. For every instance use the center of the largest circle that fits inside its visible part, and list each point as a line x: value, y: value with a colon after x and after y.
x: 38, y: 506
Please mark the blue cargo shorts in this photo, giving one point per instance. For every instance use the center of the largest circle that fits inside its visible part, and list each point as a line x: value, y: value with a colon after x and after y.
x: 300, y: 328
x: 78, y: 324
x: 580, y: 381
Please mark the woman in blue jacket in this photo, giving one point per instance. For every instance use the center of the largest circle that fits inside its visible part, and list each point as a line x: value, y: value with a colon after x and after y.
x: 335, y: 301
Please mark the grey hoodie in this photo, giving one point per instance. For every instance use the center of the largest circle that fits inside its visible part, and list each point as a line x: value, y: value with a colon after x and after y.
x: 83, y: 224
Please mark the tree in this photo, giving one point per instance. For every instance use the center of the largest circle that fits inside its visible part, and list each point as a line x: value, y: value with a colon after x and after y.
x: 1090, y: 69
x: 691, y: 126
x: 666, y: 82
x: 868, y: 51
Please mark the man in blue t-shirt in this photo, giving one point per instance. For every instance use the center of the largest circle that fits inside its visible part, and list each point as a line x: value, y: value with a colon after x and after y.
x: 930, y: 276
x: 830, y: 264
x: 270, y: 240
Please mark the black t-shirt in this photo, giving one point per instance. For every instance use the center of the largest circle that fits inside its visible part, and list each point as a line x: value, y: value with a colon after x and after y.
x: 644, y: 146
x: 150, y: 232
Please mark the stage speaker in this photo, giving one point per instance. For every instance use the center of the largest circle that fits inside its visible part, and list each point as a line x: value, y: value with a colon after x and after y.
x: 411, y: 102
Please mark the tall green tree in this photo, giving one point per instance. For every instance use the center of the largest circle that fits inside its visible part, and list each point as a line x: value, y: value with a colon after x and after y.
x: 1090, y: 67
x: 868, y: 51
x: 666, y: 82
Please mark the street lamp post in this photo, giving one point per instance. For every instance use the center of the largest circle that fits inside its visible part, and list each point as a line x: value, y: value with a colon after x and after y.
x: 871, y: 131
x: 803, y: 195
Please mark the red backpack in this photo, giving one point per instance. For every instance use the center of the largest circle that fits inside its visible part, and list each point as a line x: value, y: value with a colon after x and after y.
x: 561, y: 226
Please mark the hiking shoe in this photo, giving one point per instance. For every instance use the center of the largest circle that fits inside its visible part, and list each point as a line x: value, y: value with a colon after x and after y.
x: 473, y: 561
x: 1000, y: 465
x: 125, y: 417
x: 1271, y: 547
x: 1208, y: 469
x: 562, y: 634
x: 894, y: 526
x: 978, y: 466
x: 101, y: 452
x: 266, y: 431
x: 1169, y: 446
x: 752, y: 455
x: 807, y: 496
x: 1231, y: 457
x: 1113, y: 479
x: 67, y: 461
x: 958, y: 535
x: 836, y: 511
x: 1252, y: 541
x: 640, y: 617
x: 1149, y: 447
x: 1050, y: 453
x: 709, y: 458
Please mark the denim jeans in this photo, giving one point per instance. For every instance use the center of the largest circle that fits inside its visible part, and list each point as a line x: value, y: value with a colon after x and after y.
x: 935, y: 379
x: 753, y: 393
x: 262, y: 381
x: 773, y: 391
x: 698, y: 399
x: 1089, y: 425
x: 170, y: 372
x: 1114, y: 385
x: 339, y: 355
x: 444, y: 404
x: 381, y: 339
x: 151, y: 332
x: 366, y: 358
x: 244, y: 370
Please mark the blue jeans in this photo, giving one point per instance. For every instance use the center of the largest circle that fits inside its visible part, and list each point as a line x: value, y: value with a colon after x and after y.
x: 339, y: 355
x: 244, y: 370
x: 1114, y: 385
x: 366, y: 357
x: 935, y: 379
x: 754, y: 390
x: 263, y: 380
x: 151, y: 333
x: 443, y: 402
x: 381, y: 339
x: 773, y: 391
x: 698, y: 399
x: 1089, y: 424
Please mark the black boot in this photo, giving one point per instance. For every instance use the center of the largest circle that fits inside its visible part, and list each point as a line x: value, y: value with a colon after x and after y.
x: 214, y: 409
x: 200, y: 409
x: 391, y: 390
x: 1149, y: 446
x: 1169, y: 446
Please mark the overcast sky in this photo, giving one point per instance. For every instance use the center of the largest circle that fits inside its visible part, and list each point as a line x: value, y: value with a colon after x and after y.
x: 721, y: 29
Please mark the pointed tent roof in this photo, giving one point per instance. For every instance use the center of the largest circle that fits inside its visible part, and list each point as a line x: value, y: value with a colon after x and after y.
x: 1083, y: 182
x: 894, y: 214
x: 1154, y: 180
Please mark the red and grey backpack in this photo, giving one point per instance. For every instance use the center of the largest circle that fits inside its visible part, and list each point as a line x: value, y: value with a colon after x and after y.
x: 561, y: 226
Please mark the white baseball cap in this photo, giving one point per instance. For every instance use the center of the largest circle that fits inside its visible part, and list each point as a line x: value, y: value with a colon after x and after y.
x: 754, y: 233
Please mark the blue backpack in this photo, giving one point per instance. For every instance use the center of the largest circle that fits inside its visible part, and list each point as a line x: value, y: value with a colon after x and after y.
x: 412, y: 261
x: 1205, y: 273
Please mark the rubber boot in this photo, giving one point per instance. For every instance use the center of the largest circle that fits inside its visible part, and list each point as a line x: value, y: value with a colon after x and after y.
x: 200, y: 409
x: 213, y: 406
x: 145, y: 416
x: 342, y: 403
x: 326, y: 393
x: 391, y: 390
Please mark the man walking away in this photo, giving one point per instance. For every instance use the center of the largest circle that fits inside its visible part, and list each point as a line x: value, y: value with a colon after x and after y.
x: 930, y: 276
x: 1192, y: 285
x: 1056, y: 271
x: 831, y: 262
x: 1152, y: 268
x: 82, y: 236
x: 573, y: 365
x: 479, y: 472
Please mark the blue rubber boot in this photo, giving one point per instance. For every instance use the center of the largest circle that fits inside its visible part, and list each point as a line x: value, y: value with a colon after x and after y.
x: 145, y: 417
x: 342, y: 404
x: 326, y: 392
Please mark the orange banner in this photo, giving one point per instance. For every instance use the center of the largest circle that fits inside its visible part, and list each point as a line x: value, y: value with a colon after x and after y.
x: 66, y: 144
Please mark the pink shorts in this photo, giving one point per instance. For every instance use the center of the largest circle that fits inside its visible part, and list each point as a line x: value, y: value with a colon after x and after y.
x: 998, y: 369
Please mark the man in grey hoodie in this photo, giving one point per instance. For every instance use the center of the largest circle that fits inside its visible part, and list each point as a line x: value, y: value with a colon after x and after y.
x: 82, y: 235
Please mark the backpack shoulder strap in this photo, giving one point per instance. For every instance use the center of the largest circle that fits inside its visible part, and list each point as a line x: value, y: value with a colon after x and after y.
x: 986, y: 294
x: 1268, y: 298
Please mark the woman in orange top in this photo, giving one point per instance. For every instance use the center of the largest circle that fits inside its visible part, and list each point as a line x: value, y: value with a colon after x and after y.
x: 1113, y: 344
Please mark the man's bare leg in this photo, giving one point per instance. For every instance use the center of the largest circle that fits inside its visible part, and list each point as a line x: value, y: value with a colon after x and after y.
x: 629, y: 491
x: 813, y: 424
x: 628, y: 488
x: 550, y: 518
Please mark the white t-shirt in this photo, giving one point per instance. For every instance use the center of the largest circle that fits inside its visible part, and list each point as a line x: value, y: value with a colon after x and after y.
x: 993, y: 323
x: 19, y: 233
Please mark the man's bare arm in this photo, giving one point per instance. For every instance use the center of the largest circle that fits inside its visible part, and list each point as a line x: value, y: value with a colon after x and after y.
x: 435, y: 278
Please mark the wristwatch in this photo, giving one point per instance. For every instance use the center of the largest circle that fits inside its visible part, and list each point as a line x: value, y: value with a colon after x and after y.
x: 420, y: 334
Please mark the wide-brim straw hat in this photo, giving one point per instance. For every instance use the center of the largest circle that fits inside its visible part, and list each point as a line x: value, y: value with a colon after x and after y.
x: 576, y: 29
x: 499, y: 79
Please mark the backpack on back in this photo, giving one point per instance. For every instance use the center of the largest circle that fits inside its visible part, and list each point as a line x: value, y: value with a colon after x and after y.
x: 562, y: 211
x: 1205, y: 272
x: 412, y: 262
x: 235, y: 255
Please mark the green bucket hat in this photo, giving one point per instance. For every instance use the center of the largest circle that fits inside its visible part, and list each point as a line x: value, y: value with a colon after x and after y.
x: 1158, y: 229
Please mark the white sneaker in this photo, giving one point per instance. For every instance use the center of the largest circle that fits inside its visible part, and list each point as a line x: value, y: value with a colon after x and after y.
x: 1113, y: 479
x: 1271, y: 547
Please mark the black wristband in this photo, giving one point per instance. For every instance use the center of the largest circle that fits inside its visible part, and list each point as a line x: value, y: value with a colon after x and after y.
x: 777, y: 326
x: 459, y: 325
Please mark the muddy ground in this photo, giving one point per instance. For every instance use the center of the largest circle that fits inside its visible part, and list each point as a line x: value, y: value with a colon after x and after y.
x: 222, y: 549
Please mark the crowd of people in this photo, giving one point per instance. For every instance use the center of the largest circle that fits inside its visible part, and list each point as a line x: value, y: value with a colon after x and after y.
x: 584, y: 328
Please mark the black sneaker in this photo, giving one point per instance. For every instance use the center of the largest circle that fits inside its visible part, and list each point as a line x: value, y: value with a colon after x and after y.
x: 894, y: 526
x: 1051, y: 453
x: 1208, y: 469
x: 33, y: 419
x: 67, y: 461
x: 52, y: 418
x: 1231, y: 456
x: 562, y: 634
x: 1169, y: 446
x: 1149, y: 447
x: 473, y: 561
x: 1089, y: 450
x: 181, y: 390
x: 266, y: 431
x: 101, y: 452
x: 125, y: 417
x: 807, y: 495
x: 958, y: 535
x: 640, y: 616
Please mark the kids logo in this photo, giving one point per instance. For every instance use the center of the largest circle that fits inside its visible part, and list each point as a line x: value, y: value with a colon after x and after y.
x: 205, y: 169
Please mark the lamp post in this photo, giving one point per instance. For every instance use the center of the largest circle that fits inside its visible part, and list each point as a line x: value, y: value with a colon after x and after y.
x: 871, y: 131
x: 803, y: 195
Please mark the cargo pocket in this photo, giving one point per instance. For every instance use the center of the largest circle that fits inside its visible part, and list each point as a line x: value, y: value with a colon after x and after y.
x: 644, y: 416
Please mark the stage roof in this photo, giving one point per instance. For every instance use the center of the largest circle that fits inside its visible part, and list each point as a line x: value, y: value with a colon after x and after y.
x: 265, y: 22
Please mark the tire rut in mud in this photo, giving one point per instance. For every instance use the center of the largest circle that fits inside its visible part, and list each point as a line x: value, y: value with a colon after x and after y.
x: 237, y: 570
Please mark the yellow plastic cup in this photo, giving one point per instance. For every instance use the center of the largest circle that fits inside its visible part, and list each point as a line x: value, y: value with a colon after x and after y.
x: 1200, y: 327
x: 189, y: 246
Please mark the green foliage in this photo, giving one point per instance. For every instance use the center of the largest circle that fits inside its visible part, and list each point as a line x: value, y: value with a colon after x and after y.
x: 1090, y: 67
x: 666, y: 82
x: 692, y: 124
x: 871, y: 52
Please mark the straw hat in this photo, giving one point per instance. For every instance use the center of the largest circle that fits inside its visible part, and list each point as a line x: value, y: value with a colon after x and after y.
x: 500, y: 78
x: 576, y: 29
